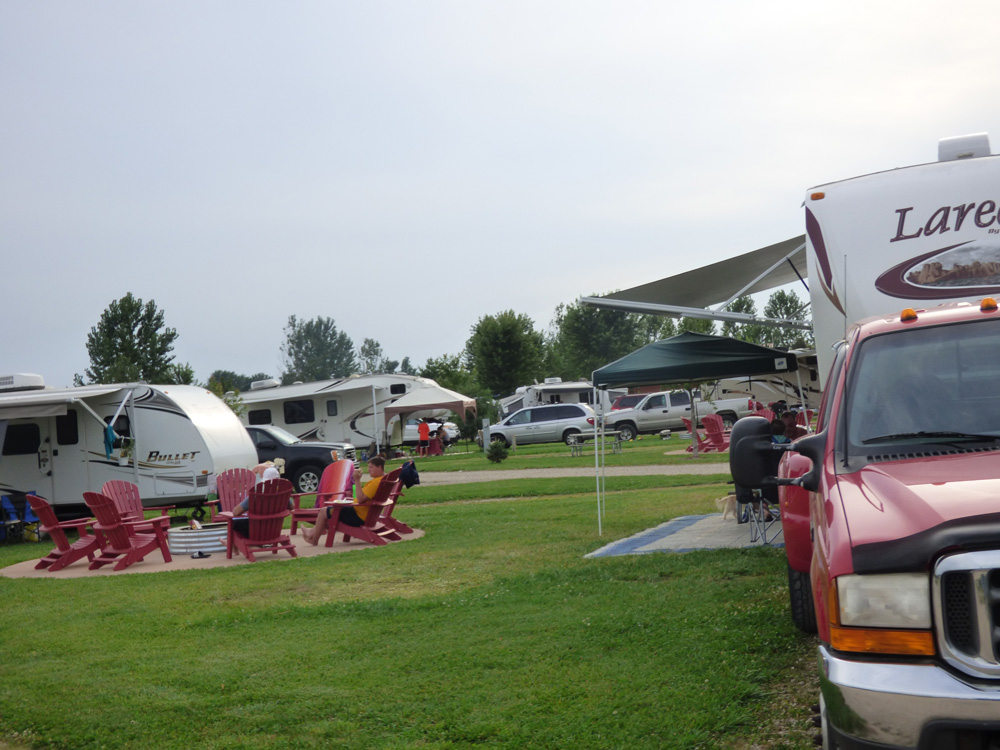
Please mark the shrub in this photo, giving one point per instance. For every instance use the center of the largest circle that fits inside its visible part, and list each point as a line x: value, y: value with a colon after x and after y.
x: 497, y: 451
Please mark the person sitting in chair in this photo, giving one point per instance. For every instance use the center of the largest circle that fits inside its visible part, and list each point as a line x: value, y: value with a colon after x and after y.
x: 349, y: 515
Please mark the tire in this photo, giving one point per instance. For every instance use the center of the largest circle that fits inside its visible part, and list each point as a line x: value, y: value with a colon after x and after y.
x: 569, y: 437
x: 728, y: 420
x: 626, y: 430
x: 800, y: 596
x: 307, y: 478
x: 498, y: 438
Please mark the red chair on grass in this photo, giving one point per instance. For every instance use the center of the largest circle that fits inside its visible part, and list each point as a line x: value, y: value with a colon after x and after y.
x: 334, y: 486
x: 392, y: 527
x: 122, y: 542
x: 715, y: 432
x: 125, y: 496
x: 804, y: 419
x: 768, y: 414
x: 267, y: 509
x: 373, y: 531
x: 65, y: 553
x: 231, y: 486
x: 703, y: 444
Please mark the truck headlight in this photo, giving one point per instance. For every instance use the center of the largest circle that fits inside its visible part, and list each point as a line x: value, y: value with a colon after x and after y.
x: 893, y: 600
x: 882, y: 614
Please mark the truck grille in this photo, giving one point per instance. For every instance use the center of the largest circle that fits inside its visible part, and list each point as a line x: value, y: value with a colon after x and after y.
x: 967, y: 611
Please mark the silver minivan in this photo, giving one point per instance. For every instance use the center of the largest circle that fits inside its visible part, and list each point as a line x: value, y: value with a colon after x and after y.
x: 545, y: 424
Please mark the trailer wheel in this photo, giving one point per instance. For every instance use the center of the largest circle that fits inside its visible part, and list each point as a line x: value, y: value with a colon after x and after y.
x: 307, y: 478
x: 627, y: 431
x: 800, y: 595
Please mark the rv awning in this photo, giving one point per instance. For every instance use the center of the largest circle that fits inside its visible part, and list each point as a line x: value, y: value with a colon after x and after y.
x: 764, y: 269
x: 431, y: 397
x: 27, y: 404
x: 693, y: 357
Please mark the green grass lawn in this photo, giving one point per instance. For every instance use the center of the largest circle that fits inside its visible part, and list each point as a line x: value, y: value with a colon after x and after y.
x: 492, y: 630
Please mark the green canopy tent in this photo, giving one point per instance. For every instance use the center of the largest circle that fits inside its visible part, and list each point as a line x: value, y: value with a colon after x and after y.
x: 688, y: 358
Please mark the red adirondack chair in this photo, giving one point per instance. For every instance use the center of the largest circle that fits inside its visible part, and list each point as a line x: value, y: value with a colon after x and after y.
x: 768, y: 414
x: 334, y: 485
x: 703, y: 444
x: 123, y: 544
x: 392, y: 527
x: 369, y: 532
x: 231, y: 486
x: 267, y: 511
x: 65, y: 553
x: 125, y: 496
x: 715, y: 432
x: 804, y: 418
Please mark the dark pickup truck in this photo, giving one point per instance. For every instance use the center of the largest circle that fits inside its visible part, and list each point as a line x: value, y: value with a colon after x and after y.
x: 304, y: 462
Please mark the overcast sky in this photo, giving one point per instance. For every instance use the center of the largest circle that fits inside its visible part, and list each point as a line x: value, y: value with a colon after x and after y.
x: 409, y: 167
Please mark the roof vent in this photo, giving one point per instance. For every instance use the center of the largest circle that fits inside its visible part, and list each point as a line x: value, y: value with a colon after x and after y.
x: 964, y: 147
x: 552, y: 381
x: 21, y: 381
x: 260, y: 385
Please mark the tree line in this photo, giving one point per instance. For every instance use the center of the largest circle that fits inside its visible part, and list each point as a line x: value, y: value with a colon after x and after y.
x: 131, y: 343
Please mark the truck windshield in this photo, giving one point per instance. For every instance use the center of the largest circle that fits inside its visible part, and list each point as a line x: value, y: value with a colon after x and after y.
x: 926, y: 385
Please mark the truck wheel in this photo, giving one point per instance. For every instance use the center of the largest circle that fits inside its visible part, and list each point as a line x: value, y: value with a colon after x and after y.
x: 728, y: 420
x: 569, y: 437
x: 627, y: 431
x: 800, y: 595
x: 307, y: 478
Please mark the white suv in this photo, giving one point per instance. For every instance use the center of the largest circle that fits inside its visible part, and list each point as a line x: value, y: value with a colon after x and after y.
x: 545, y: 424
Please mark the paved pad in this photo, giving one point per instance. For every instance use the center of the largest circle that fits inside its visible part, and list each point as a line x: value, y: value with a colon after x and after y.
x: 686, y: 534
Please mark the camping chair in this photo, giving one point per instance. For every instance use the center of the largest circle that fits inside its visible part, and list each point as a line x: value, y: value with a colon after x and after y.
x: 32, y: 523
x: 122, y: 543
x: 804, y: 419
x: 267, y: 510
x: 334, y: 486
x: 389, y: 526
x: 64, y: 552
x: 759, y: 508
x: 231, y: 487
x: 703, y: 444
x: 372, y: 530
x: 13, y: 526
x: 715, y: 432
x: 768, y: 414
x: 125, y: 496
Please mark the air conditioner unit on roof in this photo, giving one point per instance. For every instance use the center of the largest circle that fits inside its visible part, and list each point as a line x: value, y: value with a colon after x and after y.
x: 21, y: 381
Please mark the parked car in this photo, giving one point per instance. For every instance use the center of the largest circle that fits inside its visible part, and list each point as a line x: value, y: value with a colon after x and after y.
x: 545, y: 424
x: 627, y: 401
x: 304, y: 462
x: 411, y: 437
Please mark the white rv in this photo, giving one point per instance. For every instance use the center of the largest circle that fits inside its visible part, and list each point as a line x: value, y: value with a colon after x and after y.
x: 361, y: 409
x: 555, y: 391
x: 176, y: 439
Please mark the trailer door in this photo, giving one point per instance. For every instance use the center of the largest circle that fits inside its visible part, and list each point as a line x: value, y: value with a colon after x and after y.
x: 70, y: 467
x: 26, y: 463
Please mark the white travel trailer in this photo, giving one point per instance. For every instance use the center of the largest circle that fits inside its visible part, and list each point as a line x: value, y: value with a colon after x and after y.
x: 555, y: 391
x: 797, y: 389
x: 361, y: 409
x: 176, y: 439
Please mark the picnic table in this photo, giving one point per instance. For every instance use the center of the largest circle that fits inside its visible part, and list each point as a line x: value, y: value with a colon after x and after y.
x: 614, y: 437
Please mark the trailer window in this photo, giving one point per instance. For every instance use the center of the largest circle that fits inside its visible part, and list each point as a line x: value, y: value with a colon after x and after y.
x: 331, y: 408
x: 259, y: 416
x: 397, y: 389
x: 298, y: 412
x: 21, y: 439
x: 123, y: 427
x: 67, y: 430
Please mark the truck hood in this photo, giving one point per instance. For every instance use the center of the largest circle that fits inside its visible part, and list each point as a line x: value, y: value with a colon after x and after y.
x: 902, y: 514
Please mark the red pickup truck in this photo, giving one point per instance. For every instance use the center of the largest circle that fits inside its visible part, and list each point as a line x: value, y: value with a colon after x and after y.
x: 891, y: 516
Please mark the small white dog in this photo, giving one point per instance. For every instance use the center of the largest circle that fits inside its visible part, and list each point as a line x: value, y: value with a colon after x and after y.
x: 728, y: 506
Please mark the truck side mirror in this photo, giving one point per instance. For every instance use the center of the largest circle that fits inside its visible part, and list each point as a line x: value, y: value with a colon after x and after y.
x: 811, y: 447
x: 750, y: 448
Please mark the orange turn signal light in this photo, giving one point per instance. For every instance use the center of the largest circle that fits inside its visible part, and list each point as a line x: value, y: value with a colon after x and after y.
x: 988, y: 304
x: 817, y: 196
x: 879, y: 641
x: 908, y: 314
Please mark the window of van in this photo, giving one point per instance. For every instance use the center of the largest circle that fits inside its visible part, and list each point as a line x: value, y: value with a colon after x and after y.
x: 259, y: 416
x: 21, y: 439
x: 297, y: 412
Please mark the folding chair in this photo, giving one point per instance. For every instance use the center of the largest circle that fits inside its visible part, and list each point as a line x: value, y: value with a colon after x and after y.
x: 759, y: 508
x: 13, y: 526
x: 32, y: 523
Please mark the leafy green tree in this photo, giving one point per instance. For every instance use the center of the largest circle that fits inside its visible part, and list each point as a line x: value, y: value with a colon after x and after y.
x: 505, y: 351
x: 696, y: 325
x: 131, y: 343
x: 230, y: 396
x: 751, y: 332
x: 233, y: 381
x: 588, y: 337
x: 182, y: 374
x: 786, y: 305
x: 316, y: 350
x: 373, y: 360
x: 406, y: 366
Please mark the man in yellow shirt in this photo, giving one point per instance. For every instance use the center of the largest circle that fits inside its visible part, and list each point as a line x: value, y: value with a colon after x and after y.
x: 351, y: 515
